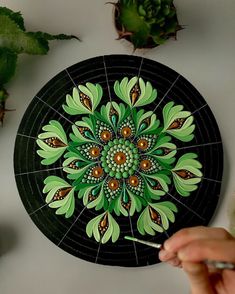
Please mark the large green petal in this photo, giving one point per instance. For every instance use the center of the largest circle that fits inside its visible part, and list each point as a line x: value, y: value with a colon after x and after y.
x: 143, y: 93
x: 53, y: 142
x: 60, y: 195
x: 84, y: 99
x: 177, y: 122
x: 187, y: 174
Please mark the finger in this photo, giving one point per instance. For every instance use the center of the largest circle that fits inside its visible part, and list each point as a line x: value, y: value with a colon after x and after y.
x: 185, y: 236
x: 166, y: 255
x: 214, y: 249
x: 175, y: 262
x: 198, y: 277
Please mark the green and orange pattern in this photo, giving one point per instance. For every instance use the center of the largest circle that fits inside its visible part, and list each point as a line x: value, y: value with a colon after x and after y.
x: 119, y: 158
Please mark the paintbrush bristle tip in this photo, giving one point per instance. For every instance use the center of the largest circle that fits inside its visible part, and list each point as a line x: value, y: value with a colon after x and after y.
x: 130, y: 238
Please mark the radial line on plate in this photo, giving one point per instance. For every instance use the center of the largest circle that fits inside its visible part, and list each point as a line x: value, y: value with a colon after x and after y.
x: 26, y: 136
x: 186, y: 206
x: 107, y: 79
x: 199, y: 145
x: 172, y: 85
x: 140, y: 68
x: 44, y: 205
x: 62, y: 239
x: 134, y: 245
x: 199, y: 109
x: 98, y: 251
x: 38, y: 171
x: 54, y: 110
x: 70, y: 77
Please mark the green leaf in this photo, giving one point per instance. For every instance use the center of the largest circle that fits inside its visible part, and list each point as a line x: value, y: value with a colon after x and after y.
x: 15, y: 16
x: 45, y: 36
x: 8, y: 61
x: 13, y: 38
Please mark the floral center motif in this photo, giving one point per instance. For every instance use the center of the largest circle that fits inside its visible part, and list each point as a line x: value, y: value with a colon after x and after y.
x: 120, y: 159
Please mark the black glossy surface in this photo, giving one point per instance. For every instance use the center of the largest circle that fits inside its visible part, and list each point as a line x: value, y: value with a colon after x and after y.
x: 69, y: 234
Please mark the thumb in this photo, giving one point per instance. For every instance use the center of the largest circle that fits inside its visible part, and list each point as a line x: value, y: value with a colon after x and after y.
x: 199, y: 277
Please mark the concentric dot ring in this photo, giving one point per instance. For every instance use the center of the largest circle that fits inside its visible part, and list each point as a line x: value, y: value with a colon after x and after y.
x: 120, y: 158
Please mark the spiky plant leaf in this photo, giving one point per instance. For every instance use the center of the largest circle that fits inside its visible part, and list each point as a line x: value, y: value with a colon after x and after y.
x: 146, y: 23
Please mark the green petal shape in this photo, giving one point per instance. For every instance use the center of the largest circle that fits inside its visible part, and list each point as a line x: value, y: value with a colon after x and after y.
x: 75, y: 167
x: 187, y: 174
x: 111, y: 231
x: 93, y: 197
x: 84, y: 100
x: 166, y: 211
x: 60, y: 195
x: 178, y: 123
x: 164, y: 151
x: 156, y: 218
x: 135, y: 92
x: 156, y: 185
x: 83, y: 132
x: 133, y: 204
x: 146, y: 122
x: 53, y: 142
x: 113, y: 114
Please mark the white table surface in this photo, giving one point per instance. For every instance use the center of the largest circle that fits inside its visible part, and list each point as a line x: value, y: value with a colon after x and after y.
x: 204, y: 54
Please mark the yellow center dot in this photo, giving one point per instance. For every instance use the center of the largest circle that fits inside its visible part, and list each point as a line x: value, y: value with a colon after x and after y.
x: 145, y: 164
x: 142, y: 144
x: 133, y: 181
x: 94, y: 151
x: 113, y: 184
x: 106, y: 135
x: 97, y: 172
x: 126, y: 132
x: 120, y: 158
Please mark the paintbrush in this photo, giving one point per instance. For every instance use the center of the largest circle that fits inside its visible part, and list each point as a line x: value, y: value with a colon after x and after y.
x: 221, y: 265
x: 155, y: 245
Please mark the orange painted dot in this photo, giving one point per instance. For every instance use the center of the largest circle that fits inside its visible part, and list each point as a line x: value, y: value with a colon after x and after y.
x: 133, y: 181
x: 126, y: 132
x: 119, y: 158
x: 113, y: 184
x: 145, y: 164
x: 106, y: 135
x: 94, y: 151
x: 142, y: 144
x: 97, y: 172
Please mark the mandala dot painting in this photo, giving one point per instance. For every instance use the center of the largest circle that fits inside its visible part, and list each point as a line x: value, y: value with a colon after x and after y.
x: 118, y: 146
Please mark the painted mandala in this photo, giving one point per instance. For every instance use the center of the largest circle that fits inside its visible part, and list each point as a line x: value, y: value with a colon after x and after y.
x: 119, y: 159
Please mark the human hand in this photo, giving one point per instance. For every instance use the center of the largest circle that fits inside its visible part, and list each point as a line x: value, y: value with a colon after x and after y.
x: 188, y: 248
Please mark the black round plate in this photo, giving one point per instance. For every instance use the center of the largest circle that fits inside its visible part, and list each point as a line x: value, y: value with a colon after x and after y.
x: 70, y: 234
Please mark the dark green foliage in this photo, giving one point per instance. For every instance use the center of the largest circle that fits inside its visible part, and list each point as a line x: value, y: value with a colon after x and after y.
x: 15, y: 40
